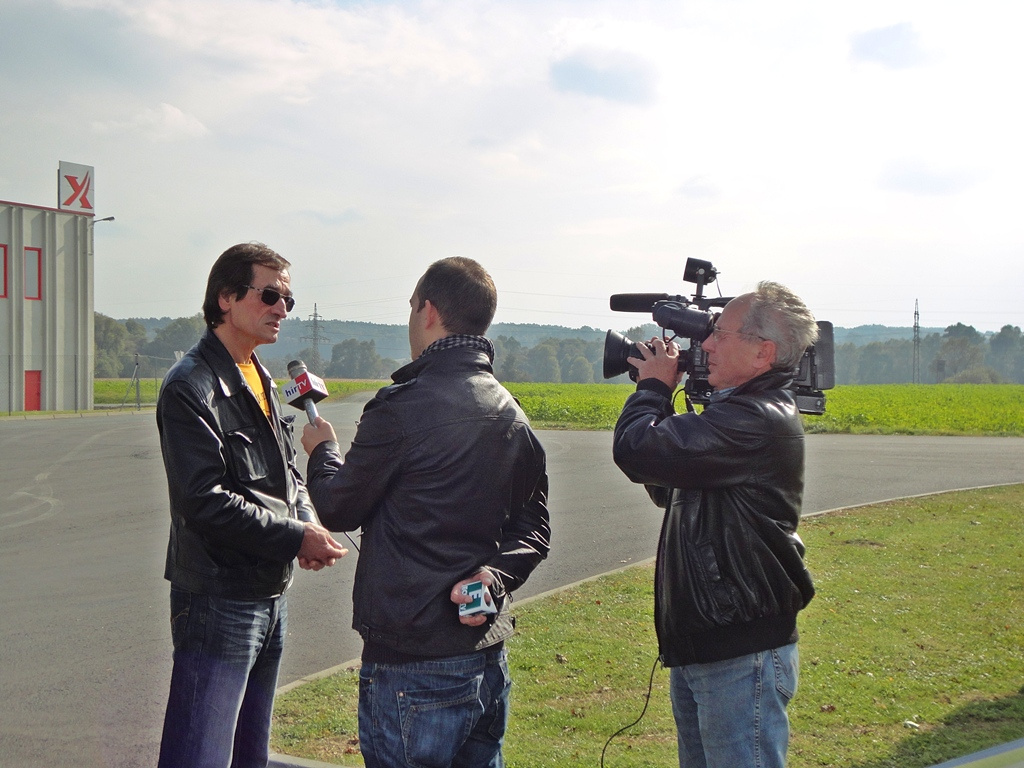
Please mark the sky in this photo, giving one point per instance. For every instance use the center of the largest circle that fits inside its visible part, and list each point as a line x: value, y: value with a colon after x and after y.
x: 868, y: 155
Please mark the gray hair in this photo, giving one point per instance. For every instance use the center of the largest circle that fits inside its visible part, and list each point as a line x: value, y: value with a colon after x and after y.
x: 777, y: 314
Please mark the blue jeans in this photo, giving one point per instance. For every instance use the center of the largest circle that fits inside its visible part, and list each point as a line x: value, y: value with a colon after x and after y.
x: 732, y: 714
x: 226, y: 657
x: 435, y: 714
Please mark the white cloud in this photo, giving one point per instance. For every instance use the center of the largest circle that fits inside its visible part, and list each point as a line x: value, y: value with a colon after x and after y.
x: 607, y: 74
x: 162, y: 123
x: 699, y: 187
x: 595, y: 143
x: 917, y: 178
x: 894, y: 47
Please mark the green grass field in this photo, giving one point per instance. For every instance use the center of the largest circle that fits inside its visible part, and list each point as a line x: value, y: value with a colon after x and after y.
x: 117, y: 391
x: 921, y: 409
x: 939, y: 409
x: 906, y: 409
x: 107, y: 392
x: 912, y: 652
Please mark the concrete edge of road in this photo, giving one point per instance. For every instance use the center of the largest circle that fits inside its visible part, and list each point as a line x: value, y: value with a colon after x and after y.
x: 353, y: 664
x: 286, y: 761
x: 1010, y: 755
x: 902, y: 498
x: 147, y: 409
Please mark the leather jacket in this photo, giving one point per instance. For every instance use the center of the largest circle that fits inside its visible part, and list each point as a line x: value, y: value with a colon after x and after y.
x: 444, y: 477
x: 237, y: 501
x: 730, y: 576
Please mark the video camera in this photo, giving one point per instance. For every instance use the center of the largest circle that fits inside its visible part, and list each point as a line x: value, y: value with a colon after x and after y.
x: 693, y: 320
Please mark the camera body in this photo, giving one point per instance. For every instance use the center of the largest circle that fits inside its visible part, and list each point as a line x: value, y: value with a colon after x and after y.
x: 693, y: 319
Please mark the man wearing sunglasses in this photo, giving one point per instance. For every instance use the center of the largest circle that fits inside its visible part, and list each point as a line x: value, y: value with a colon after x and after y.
x: 240, y: 515
x: 730, y: 577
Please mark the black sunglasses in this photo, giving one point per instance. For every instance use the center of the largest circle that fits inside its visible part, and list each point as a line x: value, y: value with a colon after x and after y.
x: 271, y: 296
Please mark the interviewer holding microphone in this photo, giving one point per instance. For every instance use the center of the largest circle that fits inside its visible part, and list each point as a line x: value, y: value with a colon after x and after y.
x: 449, y: 485
x: 240, y: 515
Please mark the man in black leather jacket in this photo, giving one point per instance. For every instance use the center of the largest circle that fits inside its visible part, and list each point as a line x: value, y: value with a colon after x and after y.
x: 239, y: 515
x: 449, y: 485
x: 730, y: 577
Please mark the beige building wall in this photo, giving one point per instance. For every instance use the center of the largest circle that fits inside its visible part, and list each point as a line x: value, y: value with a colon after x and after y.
x: 46, y: 309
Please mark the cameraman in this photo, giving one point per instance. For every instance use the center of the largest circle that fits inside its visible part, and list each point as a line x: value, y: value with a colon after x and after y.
x: 730, y: 576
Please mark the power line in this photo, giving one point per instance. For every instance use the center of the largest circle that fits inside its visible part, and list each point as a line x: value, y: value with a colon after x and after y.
x: 917, y: 344
x: 317, y: 336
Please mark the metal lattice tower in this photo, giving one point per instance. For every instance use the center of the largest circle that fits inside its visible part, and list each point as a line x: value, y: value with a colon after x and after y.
x: 917, y: 344
x: 316, y: 336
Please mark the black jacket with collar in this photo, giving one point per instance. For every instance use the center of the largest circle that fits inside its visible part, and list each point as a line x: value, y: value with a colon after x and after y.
x: 237, y: 500
x: 444, y: 477
x: 730, y: 576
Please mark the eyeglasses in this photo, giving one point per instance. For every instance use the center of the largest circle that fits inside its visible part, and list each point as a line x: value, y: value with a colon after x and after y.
x: 718, y: 332
x: 271, y: 296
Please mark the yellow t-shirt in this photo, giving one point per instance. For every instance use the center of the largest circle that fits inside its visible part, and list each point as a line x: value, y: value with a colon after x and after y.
x: 252, y: 377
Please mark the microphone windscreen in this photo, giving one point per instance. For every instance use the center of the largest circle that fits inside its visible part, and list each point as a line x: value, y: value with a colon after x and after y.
x: 635, y: 302
x: 305, y: 386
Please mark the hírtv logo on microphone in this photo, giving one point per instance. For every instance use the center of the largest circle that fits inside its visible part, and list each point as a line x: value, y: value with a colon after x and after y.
x: 304, y: 384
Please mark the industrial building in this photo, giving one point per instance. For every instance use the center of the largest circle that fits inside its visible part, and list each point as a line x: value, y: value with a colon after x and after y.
x: 47, y: 298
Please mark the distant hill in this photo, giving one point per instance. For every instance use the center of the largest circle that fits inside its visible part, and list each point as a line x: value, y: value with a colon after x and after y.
x: 393, y: 340
x: 865, y: 334
x: 390, y: 340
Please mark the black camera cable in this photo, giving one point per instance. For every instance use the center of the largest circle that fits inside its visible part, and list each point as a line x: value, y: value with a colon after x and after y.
x: 647, y: 702
x: 686, y: 400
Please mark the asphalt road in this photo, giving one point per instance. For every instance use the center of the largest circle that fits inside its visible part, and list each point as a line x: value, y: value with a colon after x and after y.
x: 84, y: 636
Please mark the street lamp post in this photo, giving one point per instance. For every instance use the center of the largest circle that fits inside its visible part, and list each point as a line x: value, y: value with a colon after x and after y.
x: 90, y: 341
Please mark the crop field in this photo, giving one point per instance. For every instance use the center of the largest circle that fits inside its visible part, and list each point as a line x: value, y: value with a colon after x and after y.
x: 932, y: 409
x: 571, y: 406
x: 923, y: 409
x: 906, y: 409
x: 109, y: 392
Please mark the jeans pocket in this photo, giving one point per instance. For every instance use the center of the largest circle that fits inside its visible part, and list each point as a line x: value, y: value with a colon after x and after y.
x: 497, y: 707
x: 786, y: 662
x: 436, y: 723
x: 181, y: 609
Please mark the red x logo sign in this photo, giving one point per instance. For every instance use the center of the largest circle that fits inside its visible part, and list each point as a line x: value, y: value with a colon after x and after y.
x: 79, y: 191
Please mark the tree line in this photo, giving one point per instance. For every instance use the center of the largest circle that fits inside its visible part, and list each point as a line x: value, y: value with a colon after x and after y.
x: 123, y: 348
x: 960, y: 354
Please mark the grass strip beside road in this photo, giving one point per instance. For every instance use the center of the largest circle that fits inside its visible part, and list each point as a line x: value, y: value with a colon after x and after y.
x: 912, y: 653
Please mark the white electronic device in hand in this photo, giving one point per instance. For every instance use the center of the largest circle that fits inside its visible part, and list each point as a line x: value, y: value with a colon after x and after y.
x: 479, y: 604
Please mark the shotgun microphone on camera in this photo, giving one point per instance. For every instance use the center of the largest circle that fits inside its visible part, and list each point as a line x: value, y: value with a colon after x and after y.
x: 636, y: 302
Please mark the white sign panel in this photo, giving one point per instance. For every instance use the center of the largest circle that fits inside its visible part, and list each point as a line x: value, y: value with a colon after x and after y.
x: 76, y: 187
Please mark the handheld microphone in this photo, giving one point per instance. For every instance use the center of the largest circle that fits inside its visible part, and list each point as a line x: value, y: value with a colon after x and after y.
x: 305, y: 389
